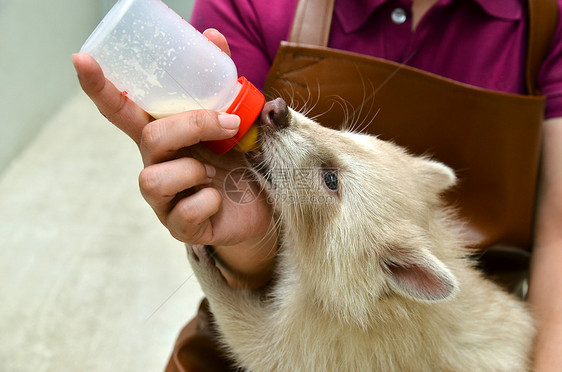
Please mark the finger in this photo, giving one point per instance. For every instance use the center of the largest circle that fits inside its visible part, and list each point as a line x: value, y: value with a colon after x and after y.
x: 161, y: 139
x: 160, y: 183
x: 218, y: 39
x: 189, y: 221
x: 116, y: 107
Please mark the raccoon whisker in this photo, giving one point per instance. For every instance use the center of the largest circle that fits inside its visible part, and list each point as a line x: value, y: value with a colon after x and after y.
x: 344, y: 105
x: 368, y: 118
x: 360, y: 127
x: 315, y: 103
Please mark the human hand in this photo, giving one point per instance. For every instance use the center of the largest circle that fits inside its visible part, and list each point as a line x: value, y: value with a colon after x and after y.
x: 184, y: 182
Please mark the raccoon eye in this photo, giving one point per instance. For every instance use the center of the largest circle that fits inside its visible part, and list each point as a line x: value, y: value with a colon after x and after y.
x: 331, y: 180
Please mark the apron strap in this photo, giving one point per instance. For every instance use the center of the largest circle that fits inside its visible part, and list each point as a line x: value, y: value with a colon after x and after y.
x: 313, y: 20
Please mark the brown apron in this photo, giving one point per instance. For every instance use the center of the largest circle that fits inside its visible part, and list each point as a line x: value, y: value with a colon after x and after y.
x: 491, y: 139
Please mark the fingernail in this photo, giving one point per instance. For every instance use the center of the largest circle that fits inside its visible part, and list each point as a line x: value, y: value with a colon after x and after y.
x: 211, y: 171
x: 228, y: 121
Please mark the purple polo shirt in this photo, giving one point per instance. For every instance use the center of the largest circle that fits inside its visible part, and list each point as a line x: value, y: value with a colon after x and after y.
x: 478, y: 42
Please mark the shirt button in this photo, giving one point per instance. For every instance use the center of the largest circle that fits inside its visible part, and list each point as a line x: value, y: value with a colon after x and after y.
x: 398, y: 16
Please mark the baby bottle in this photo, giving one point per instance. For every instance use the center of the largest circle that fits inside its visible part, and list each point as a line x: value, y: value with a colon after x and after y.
x: 166, y: 66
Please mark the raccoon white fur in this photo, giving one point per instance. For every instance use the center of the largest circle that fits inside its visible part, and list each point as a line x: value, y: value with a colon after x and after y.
x: 371, y: 274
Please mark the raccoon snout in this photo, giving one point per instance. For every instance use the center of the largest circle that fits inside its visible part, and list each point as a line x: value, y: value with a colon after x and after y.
x: 275, y: 115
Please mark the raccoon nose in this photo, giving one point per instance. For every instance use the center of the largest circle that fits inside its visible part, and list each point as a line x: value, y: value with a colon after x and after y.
x: 275, y: 114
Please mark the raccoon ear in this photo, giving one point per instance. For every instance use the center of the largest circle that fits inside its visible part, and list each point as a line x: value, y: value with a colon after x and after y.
x: 437, y: 176
x: 425, y: 278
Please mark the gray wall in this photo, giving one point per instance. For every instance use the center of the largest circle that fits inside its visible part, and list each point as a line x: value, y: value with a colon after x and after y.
x: 37, y: 39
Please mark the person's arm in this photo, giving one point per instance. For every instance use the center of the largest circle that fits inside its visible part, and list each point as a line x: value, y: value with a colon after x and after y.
x: 545, y: 292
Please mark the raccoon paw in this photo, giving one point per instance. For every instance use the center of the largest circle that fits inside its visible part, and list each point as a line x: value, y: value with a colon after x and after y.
x: 204, y: 267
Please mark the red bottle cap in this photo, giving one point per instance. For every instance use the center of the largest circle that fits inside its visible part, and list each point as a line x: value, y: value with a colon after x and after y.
x: 247, y: 105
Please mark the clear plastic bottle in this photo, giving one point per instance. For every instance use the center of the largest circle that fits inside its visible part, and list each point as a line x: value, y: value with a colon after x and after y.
x: 166, y: 66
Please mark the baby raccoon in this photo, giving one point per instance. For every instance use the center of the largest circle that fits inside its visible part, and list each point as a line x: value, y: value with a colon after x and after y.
x: 371, y: 273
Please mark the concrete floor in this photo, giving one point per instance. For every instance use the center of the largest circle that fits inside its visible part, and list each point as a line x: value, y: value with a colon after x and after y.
x: 85, y: 266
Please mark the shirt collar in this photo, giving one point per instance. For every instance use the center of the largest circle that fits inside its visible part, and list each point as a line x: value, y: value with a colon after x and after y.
x: 352, y: 14
x: 511, y: 10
